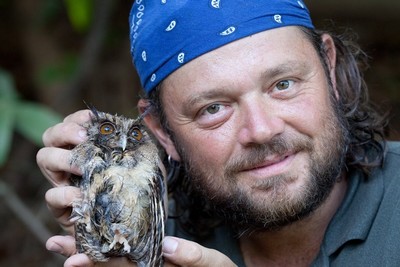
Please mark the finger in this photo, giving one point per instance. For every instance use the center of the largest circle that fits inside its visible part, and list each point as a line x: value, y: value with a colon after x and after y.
x: 79, y: 117
x: 116, y: 262
x: 187, y: 253
x: 60, y: 200
x: 78, y: 260
x: 168, y: 264
x: 64, y: 245
x: 70, y: 131
x: 64, y: 134
x: 55, y: 165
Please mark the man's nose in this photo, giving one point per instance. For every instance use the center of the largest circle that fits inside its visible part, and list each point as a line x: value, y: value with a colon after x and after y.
x: 260, y: 121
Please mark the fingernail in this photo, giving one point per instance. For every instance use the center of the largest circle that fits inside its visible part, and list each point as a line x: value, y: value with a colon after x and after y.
x: 54, y: 247
x: 170, y: 245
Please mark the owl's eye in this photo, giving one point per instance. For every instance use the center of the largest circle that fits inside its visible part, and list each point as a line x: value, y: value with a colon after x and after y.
x: 137, y: 134
x: 107, y: 128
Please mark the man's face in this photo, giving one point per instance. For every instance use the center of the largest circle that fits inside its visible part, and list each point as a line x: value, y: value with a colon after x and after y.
x: 254, y: 124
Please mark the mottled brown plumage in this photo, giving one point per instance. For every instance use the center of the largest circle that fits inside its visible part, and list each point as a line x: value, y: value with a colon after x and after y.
x: 122, y: 209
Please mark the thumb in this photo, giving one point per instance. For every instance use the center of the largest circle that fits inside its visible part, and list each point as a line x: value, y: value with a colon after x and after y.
x: 183, y: 253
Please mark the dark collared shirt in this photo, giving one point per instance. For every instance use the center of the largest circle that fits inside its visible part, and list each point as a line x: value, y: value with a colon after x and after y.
x: 365, y: 231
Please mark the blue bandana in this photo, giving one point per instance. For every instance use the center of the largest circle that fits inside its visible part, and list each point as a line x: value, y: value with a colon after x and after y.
x: 165, y: 34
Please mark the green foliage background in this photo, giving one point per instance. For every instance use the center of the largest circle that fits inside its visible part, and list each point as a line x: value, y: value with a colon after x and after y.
x: 30, y: 119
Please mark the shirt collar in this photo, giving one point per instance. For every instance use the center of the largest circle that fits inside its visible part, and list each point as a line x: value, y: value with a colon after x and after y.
x: 356, y: 214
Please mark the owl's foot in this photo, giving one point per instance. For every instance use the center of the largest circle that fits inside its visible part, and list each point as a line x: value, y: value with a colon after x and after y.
x: 120, y: 239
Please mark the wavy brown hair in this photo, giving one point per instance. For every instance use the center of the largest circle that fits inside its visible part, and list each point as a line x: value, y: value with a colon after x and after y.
x: 366, y: 126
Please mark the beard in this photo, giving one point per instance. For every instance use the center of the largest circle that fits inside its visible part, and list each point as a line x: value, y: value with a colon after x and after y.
x: 243, y: 209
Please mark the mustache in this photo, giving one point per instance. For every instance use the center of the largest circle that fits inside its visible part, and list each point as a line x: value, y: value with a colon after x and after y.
x: 258, y: 153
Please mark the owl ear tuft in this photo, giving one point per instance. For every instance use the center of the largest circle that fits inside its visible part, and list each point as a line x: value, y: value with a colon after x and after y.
x: 94, y: 111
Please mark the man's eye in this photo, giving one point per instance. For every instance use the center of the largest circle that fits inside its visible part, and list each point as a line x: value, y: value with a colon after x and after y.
x: 283, y: 85
x: 214, y: 108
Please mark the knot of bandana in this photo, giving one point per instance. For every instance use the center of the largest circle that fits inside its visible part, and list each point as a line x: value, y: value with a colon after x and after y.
x: 166, y: 34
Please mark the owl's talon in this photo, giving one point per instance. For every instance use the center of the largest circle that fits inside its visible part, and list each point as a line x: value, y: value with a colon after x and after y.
x: 74, y: 219
x: 120, y: 239
x: 127, y: 247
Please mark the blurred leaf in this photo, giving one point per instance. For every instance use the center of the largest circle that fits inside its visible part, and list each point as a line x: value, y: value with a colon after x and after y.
x: 7, y: 86
x: 80, y: 13
x: 7, y: 114
x: 33, y: 119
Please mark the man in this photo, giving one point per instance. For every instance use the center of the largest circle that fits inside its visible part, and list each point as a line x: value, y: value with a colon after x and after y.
x: 283, y: 158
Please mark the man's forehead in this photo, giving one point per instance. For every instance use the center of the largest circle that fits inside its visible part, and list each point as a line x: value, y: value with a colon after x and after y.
x: 270, y: 53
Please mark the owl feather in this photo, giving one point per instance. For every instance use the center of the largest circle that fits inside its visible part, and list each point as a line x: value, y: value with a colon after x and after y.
x: 122, y: 210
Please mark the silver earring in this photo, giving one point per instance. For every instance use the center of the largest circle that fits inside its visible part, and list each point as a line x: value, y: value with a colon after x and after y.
x: 173, y: 170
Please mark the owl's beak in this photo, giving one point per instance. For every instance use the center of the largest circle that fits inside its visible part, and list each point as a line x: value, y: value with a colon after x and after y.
x: 122, y: 142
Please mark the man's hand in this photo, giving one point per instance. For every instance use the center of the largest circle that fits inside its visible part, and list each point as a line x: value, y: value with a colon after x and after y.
x: 176, y: 251
x: 54, y: 162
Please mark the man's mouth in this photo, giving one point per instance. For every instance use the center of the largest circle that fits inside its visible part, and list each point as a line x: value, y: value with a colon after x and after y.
x: 270, y: 161
x: 272, y: 165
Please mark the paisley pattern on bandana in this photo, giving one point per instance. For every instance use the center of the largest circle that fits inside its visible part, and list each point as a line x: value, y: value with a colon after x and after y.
x: 165, y: 34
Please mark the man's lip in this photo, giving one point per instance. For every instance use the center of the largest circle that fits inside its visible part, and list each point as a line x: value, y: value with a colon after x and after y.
x: 270, y: 161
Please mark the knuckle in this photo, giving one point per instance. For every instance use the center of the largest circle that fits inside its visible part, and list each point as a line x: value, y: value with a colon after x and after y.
x: 52, y: 135
x: 195, y: 254
x: 64, y: 128
x: 68, y: 195
x: 198, y: 257
x: 71, y: 194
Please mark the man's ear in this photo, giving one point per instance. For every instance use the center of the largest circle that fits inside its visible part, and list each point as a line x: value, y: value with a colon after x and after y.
x: 330, y: 52
x: 155, y: 127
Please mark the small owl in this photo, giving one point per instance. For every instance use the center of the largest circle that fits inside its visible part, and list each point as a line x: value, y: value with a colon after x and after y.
x: 122, y: 211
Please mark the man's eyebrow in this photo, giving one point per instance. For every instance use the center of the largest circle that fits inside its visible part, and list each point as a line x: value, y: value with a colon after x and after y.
x: 209, y: 94
x: 288, y: 67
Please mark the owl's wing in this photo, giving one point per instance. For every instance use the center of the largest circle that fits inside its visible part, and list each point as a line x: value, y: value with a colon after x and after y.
x: 86, y: 157
x: 151, y: 248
